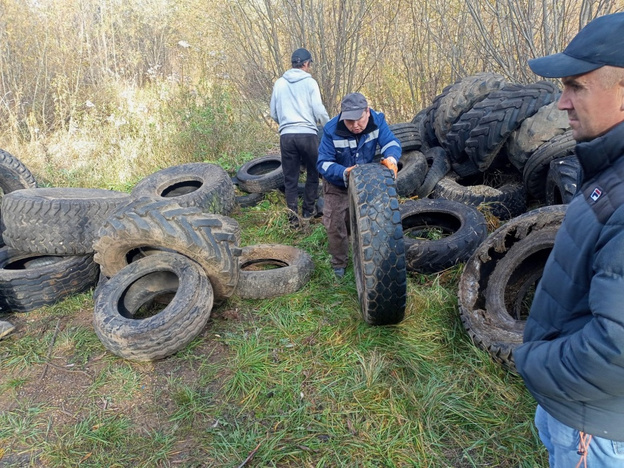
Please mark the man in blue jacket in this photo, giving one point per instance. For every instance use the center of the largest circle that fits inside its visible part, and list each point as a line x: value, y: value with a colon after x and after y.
x: 297, y: 108
x: 572, y: 358
x: 349, y: 139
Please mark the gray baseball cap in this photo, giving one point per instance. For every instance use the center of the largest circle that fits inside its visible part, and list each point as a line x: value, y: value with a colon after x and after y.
x: 599, y: 43
x: 353, y: 106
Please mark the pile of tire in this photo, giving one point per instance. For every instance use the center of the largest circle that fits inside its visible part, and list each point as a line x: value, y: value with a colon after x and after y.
x: 493, y: 144
x: 159, y: 257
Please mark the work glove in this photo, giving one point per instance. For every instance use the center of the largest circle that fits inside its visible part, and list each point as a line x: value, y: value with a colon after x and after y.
x: 345, y: 175
x: 391, y: 164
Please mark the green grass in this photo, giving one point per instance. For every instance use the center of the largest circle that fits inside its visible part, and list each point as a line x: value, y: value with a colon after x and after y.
x: 292, y: 381
x: 297, y: 380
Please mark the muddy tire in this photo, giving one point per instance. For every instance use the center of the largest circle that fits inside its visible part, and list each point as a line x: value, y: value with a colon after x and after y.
x: 563, y: 180
x: 57, y: 221
x: 146, y: 227
x: 202, y: 185
x: 536, y: 168
x: 412, y: 169
x: 492, y: 332
x: 153, y: 307
x: 439, y: 165
x: 261, y: 174
x: 505, y: 200
x: 272, y: 270
x: 461, y: 97
x: 377, y: 244
x: 513, y: 280
x: 494, y: 128
x: 463, y: 228
x: 547, y: 123
x: 29, y: 281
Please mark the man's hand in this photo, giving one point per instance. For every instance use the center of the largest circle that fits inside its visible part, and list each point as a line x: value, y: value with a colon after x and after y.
x: 391, y: 164
x: 345, y: 175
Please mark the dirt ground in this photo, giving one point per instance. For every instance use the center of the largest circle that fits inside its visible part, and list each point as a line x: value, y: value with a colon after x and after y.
x: 70, y: 391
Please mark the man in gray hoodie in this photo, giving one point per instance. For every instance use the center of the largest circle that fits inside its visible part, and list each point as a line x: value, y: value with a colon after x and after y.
x: 297, y: 108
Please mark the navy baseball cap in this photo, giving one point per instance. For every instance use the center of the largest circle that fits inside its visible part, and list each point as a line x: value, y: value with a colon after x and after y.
x: 353, y: 106
x: 300, y: 56
x: 599, y: 43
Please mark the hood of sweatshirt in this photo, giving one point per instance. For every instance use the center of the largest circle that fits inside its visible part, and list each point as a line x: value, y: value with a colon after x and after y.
x: 295, y: 74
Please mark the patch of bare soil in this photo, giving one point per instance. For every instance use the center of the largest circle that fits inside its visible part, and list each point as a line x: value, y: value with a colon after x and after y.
x: 68, y: 389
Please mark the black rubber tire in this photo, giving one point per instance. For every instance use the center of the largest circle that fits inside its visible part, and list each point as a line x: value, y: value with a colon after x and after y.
x: 439, y: 165
x: 261, y: 174
x: 14, y: 175
x: 456, y: 137
x: 377, y: 244
x: 412, y: 169
x: 492, y: 130
x: 29, y: 281
x: 536, y: 168
x: 147, y: 226
x: 57, y: 221
x: 135, y: 316
x: 547, y: 123
x: 461, y: 97
x: 563, y: 180
x: 429, y: 134
x: 464, y: 227
x: 204, y: 185
x: 419, y: 122
x: 516, y: 274
x: 272, y: 270
x: 408, y: 134
x: 245, y: 199
x: 505, y: 200
x: 491, y: 332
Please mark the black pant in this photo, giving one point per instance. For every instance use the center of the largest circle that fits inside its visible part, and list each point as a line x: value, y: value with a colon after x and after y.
x: 300, y: 149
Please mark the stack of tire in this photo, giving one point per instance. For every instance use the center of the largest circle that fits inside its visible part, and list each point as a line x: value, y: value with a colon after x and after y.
x: 161, y: 256
x: 501, y: 141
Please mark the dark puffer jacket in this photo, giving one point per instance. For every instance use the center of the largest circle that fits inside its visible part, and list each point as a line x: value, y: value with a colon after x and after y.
x: 572, y: 359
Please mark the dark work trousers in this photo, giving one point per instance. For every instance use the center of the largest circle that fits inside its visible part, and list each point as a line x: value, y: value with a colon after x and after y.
x: 300, y: 149
x: 336, y: 222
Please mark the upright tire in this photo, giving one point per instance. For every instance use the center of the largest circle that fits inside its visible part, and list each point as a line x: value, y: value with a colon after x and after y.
x: 14, y: 175
x: 563, y: 180
x: 153, y: 307
x: 412, y: 169
x: 57, y: 221
x: 377, y: 244
x: 494, y: 330
x: 492, y: 130
x: 461, y: 97
x: 147, y: 226
x: 203, y: 185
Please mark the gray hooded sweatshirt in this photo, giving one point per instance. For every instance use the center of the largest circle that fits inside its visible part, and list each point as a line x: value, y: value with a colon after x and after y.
x: 296, y: 103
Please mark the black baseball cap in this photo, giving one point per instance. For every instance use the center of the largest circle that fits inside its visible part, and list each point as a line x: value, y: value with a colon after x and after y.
x: 300, y: 56
x: 599, y: 43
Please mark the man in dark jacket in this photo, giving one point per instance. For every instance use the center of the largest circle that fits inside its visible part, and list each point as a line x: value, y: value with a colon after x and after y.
x: 349, y: 139
x: 572, y: 359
